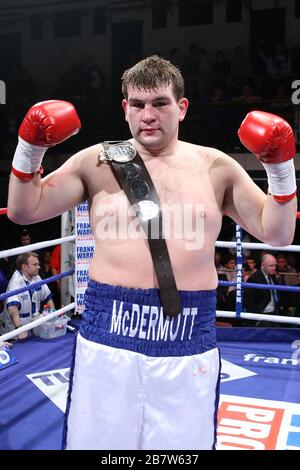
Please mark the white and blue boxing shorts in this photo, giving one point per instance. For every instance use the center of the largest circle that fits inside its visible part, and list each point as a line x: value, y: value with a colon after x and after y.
x: 140, y: 379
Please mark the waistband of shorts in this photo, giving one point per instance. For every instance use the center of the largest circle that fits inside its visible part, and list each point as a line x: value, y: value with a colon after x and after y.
x: 133, y: 319
x: 97, y: 291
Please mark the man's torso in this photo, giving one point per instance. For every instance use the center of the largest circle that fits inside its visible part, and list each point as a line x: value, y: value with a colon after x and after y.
x: 191, y: 186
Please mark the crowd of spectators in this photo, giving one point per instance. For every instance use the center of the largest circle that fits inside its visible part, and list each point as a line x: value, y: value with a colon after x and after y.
x: 260, y: 268
x: 229, y: 85
x: 24, y: 269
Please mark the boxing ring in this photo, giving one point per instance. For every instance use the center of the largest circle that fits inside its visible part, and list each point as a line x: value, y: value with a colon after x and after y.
x: 260, y: 380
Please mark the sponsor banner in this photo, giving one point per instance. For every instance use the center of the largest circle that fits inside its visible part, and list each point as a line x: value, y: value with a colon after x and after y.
x: 54, y: 384
x: 255, y: 424
x: 244, y: 423
x: 84, y: 252
x: 230, y: 371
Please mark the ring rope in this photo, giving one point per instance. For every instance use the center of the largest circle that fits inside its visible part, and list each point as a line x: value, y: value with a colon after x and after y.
x: 37, y: 322
x: 32, y: 286
x: 258, y: 316
x: 35, y: 246
x: 258, y: 246
x: 252, y: 285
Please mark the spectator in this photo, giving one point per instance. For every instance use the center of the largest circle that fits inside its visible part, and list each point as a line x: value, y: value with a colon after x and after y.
x: 24, y: 240
x: 221, y: 70
x: 55, y: 266
x: 3, y: 286
x: 246, y: 272
x: 252, y: 264
x: 278, y: 66
x: 287, y: 276
x: 263, y: 300
x: 20, y: 307
x: 241, y: 69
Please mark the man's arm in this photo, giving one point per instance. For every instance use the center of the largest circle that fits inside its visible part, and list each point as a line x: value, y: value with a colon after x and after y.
x: 43, y: 198
x: 271, y: 218
x: 51, y: 303
x: 258, y: 213
x: 15, y: 317
x: 32, y: 199
x: 13, y: 311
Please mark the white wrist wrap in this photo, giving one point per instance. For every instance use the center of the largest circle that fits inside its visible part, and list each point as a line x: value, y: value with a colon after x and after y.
x: 28, y: 157
x: 281, y: 178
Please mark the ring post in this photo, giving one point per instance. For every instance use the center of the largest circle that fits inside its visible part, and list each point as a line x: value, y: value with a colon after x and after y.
x: 239, y: 272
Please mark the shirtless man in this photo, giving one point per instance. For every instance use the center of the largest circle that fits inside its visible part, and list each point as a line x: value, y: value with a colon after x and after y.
x: 141, y: 379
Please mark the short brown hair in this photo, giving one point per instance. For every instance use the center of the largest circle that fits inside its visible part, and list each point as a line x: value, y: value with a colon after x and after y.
x: 24, y: 257
x: 151, y: 73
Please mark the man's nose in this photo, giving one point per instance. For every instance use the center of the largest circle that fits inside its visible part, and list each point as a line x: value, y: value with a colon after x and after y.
x: 148, y: 114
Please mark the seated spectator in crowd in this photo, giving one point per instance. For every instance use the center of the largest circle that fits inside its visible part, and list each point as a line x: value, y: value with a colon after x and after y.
x: 252, y: 264
x: 278, y: 66
x: 287, y: 276
x: 246, y: 272
x: 221, y: 290
x: 19, y: 308
x: 259, y: 60
x: 221, y: 70
x: 55, y: 266
x: 46, y: 271
x: 263, y: 300
x: 230, y: 273
x: 24, y: 240
x: 45, y: 268
x: 247, y: 95
x: 3, y: 287
x: 190, y: 69
x: 241, y: 69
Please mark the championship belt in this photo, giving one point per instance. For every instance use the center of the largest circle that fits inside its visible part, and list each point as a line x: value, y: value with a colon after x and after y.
x: 133, y: 177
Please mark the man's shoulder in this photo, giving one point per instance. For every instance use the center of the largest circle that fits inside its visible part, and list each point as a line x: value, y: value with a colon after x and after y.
x: 210, y: 152
x: 15, y: 278
x: 257, y: 275
x: 85, y: 153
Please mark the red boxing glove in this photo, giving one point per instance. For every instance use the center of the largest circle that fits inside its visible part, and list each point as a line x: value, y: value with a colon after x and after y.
x: 46, y: 124
x: 272, y: 140
x: 268, y: 136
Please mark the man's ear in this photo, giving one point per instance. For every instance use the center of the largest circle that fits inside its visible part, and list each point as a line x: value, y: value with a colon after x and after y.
x: 124, y: 106
x: 183, y: 107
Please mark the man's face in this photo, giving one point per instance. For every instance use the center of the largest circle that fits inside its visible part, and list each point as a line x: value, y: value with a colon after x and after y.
x: 231, y: 264
x: 154, y: 116
x: 25, y: 240
x: 32, y: 267
x: 251, y: 264
x: 269, y: 266
x: 281, y: 264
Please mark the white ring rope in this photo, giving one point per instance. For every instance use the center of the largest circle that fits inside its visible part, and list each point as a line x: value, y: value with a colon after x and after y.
x: 219, y: 313
x: 258, y: 316
x: 37, y: 322
x: 219, y: 244
x: 258, y: 246
x: 35, y: 246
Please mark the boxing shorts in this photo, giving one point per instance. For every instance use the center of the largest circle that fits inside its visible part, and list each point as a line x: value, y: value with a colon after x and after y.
x: 141, y: 379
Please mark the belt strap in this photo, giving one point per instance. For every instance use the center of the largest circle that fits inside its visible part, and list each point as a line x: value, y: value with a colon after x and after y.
x: 169, y: 295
